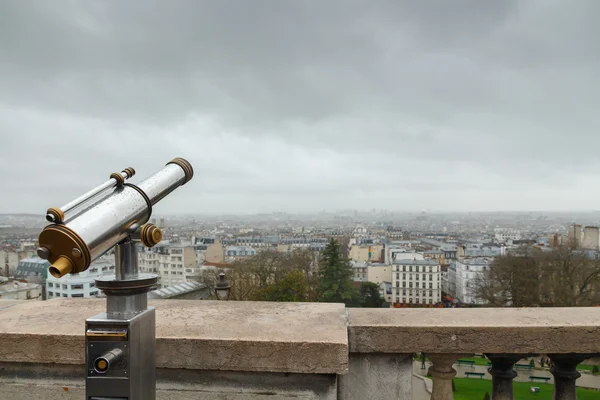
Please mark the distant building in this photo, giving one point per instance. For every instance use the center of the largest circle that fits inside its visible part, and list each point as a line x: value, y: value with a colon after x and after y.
x: 208, y: 250
x: 366, y: 253
x: 575, y: 238
x: 170, y: 261
x: 82, y: 284
x: 239, y: 251
x: 507, y: 235
x: 416, y: 281
x: 11, y: 289
x: 462, y: 277
x: 378, y: 273
x: 32, y: 269
x: 591, y: 238
x: 385, y: 290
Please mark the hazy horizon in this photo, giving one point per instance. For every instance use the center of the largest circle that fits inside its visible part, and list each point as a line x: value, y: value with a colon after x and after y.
x: 303, y: 106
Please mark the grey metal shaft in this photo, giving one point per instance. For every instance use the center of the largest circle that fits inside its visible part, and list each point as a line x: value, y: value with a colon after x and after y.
x: 120, y: 307
x: 126, y: 261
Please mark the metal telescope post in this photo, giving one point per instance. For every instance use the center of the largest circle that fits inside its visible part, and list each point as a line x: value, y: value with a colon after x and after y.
x: 121, y: 342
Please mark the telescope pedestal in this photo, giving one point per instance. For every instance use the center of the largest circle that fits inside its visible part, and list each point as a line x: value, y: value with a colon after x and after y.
x: 121, y: 342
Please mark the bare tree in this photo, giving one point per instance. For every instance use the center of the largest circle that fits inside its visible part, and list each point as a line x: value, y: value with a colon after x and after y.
x: 249, y: 276
x: 563, y: 277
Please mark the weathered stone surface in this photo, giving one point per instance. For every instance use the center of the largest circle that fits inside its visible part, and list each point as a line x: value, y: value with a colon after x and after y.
x: 210, y: 335
x: 54, y: 382
x: 498, y: 330
x: 377, y: 377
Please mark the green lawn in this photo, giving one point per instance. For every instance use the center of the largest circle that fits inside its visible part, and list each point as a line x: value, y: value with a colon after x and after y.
x: 485, y: 361
x: 475, y: 389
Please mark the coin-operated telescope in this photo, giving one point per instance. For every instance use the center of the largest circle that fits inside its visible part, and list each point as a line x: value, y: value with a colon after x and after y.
x: 120, y: 343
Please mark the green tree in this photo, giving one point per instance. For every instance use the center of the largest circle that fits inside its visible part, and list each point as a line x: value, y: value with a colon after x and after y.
x: 370, y: 296
x: 293, y: 287
x: 486, y: 396
x: 335, y: 273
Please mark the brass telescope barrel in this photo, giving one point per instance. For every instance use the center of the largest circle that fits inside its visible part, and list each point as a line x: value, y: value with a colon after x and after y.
x: 73, y: 245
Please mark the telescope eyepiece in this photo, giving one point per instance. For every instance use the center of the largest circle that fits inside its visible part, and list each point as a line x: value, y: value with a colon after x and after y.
x: 61, y: 267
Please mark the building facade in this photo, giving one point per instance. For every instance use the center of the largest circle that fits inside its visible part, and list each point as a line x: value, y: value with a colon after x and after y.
x: 170, y: 261
x: 11, y: 289
x: 416, y: 281
x: 82, y: 284
x: 463, y: 277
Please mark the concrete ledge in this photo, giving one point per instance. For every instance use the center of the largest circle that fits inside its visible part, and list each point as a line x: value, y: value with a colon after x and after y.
x: 498, y: 330
x: 66, y: 382
x: 209, y: 335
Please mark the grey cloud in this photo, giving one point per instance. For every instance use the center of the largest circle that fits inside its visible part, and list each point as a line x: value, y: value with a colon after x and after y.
x: 387, y: 97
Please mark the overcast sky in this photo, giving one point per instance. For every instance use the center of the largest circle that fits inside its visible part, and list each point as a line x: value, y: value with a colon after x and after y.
x: 305, y: 105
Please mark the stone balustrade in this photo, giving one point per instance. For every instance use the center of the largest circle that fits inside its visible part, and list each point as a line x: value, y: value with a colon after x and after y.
x: 257, y: 350
x: 505, y: 335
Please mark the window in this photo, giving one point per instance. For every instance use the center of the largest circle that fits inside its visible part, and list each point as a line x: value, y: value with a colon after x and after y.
x: 403, y: 276
x: 77, y: 295
x: 93, y: 293
x: 417, y: 300
x: 417, y: 268
x: 430, y: 301
x: 404, y: 268
x: 397, y: 276
x: 430, y: 293
x: 430, y: 277
x: 417, y: 276
x: 64, y: 295
x: 409, y: 284
x: 104, y: 268
x: 429, y: 268
x: 424, y: 276
x: 410, y: 300
x: 92, y: 284
x: 397, y: 299
x: 410, y: 268
x: 50, y: 284
x: 430, y: 285
x: 404, y: 292
x: 404, y: 299
x: 423, y: 285
x: 50, y: 294
x: 77, y: 287
x: 403, y: 284
x: 64, y: 287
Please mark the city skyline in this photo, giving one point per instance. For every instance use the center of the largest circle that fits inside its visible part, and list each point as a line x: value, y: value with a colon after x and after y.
x: 299, y: 107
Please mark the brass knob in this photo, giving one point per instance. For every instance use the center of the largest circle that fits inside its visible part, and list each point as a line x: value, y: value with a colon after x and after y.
x: 150, y: 235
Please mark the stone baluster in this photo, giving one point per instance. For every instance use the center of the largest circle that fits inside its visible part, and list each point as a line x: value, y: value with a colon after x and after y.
x: 442, y: 373
x: 503, y: 374
x: 565, y: 373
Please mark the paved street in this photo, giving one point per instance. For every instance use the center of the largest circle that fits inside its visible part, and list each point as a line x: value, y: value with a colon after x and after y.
x: 419, y: 391
x: 586, y: 380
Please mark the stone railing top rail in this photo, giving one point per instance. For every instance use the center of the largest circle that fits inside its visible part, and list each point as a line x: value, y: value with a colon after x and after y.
x: 296, y: 337
x: 226, y: 335
x: 475, y: 330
